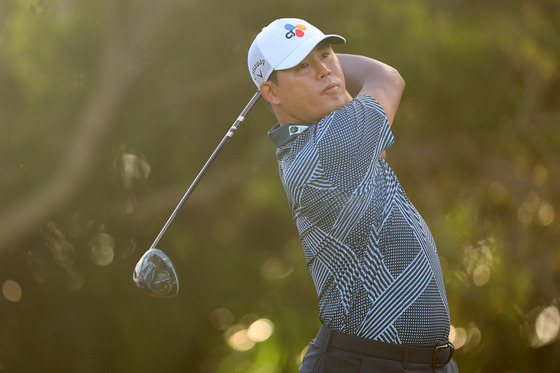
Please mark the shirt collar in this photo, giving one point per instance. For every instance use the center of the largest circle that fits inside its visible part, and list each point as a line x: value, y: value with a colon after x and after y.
x: 280, y: 135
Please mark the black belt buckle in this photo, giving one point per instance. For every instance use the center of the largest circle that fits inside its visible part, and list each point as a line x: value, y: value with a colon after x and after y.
x: 436, y: 353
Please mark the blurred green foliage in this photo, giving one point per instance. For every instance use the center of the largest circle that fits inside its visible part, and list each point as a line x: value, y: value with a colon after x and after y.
x: 108, y: 110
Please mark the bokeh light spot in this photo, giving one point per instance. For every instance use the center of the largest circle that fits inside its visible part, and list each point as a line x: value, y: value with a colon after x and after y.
x: 546, y: 214
x: 474, y: 338
x: 133, y: 168
x: 547, y: 325
x: 526, y: 211
x: 12, y: 291
x: 481, y: 275
x: 457, y: 336
x: 479, y: 261
x: 276, y: 269
x: 102, y: 249
x: 238, y: 338
x: 260, y: 330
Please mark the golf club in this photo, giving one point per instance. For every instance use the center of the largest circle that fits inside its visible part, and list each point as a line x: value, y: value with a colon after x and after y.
x: 154, y: 273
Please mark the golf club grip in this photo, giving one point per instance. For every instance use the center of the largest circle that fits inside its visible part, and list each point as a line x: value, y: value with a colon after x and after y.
x: 228, y: 135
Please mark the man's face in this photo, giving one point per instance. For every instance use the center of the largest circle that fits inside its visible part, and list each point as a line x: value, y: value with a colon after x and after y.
x: 312, y: 89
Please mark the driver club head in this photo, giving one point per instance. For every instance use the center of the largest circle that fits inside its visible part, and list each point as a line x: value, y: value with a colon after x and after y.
x: 155, y: 275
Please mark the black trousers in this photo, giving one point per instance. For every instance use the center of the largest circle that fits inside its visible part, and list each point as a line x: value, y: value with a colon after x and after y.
x: 326, y: 357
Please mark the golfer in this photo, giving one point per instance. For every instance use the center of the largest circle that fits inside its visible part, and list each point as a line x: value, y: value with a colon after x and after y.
x: 373, y: 260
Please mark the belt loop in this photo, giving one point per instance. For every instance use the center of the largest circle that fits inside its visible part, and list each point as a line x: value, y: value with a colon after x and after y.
x: 405, y: 357
x: 328, y: 340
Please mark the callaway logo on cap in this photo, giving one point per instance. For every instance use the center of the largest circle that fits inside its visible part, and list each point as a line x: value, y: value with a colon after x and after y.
x: 282, y: 45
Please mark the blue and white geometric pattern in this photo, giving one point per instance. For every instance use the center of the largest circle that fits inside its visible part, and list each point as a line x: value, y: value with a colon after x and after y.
x: 371, y: 255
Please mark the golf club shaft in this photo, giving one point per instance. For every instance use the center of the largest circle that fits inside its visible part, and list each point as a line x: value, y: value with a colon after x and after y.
x: 228, y: 135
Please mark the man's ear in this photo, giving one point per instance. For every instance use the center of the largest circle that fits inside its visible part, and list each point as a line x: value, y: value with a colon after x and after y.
x: 268, y: 92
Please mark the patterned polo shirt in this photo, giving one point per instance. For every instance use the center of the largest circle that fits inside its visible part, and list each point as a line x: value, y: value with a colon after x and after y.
x: 371, y: 255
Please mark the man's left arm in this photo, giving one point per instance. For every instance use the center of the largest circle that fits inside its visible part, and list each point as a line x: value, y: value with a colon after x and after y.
x: 365, y: 75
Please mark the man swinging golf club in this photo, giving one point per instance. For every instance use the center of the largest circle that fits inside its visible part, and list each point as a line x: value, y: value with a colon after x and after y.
x: 381, y: 295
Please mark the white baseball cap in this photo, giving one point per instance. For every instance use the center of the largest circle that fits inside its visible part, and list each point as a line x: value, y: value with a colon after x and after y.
x: 282, y: 45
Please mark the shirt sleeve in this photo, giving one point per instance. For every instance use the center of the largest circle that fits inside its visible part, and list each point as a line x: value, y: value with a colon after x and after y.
x: 350, y: 141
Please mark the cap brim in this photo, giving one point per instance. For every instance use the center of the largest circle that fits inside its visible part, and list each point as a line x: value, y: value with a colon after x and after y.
x: 298, y: 54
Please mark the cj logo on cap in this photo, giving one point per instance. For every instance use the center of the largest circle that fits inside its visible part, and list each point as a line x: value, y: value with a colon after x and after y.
x: 296, y: 30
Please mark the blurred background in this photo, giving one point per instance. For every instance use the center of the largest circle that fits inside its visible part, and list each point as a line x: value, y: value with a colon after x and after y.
x: 108, y: 110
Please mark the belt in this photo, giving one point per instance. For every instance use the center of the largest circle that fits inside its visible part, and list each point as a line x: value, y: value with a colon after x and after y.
x: 436, y: 355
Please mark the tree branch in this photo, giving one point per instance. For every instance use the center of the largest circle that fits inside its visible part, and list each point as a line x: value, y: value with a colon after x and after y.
x: 91, y: 127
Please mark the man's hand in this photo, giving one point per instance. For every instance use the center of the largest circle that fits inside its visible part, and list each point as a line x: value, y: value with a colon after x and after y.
x: 365, y: 75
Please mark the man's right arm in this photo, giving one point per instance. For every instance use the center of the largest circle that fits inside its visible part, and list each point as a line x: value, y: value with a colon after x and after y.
x: 365, y: 75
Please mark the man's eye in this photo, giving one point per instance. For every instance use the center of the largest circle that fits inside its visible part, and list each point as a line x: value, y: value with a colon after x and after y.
x: 302, y: 66
x: 325, y: 55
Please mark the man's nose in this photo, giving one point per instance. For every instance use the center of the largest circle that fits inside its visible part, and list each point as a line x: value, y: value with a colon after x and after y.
x: 322, y: 70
